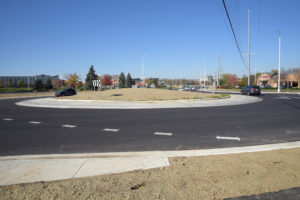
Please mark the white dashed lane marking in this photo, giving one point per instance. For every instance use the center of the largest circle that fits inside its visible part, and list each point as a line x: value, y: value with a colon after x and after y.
x: 8, y: 119
x: 228, y: 138
x: 34, y: 122
x: 68, y: 126
x: 111, y: 129
x: 161, y: 133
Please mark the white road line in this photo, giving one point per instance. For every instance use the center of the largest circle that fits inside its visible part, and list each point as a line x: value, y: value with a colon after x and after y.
x: 8, y: 119
x: 34, y: 122
x: 68, y: 126
x: 161, y: 133
x: 228, y: 138
x: 111, y: 129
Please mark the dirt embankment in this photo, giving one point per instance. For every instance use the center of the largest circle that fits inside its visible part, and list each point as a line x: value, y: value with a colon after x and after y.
x: 210, y: 177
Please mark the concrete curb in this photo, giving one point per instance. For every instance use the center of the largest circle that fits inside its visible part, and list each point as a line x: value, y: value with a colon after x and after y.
x: 33, y: 168
x: 105, y: 104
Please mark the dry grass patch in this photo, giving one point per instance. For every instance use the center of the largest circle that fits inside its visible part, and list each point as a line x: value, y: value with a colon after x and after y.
x: 24, y: 94
x: 140, y: 94
x: 208, y: 177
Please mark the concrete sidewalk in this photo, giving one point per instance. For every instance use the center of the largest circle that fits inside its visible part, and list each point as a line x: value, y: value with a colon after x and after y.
x: 33, y: 168
x: 106, y: 104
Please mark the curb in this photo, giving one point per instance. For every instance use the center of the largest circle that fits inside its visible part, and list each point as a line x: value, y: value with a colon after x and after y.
x: 184, y: 153
x: 105, y: 104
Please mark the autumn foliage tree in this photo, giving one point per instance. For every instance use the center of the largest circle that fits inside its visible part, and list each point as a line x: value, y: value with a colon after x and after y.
x: 72, y: 79
x: 232, y: 81
x: 106, y: 80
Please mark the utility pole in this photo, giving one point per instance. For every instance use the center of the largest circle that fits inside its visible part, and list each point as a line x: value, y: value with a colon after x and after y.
x: 143, y: 66
x: 279, y: 41
x: 255, y: 75
x: 249, y: 53
x: 248, y: 47
x: 204, y: 75
x: 200, y: 79
x: 218, y: 71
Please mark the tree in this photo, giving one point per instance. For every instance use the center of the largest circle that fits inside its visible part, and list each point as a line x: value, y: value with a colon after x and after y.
x: 48, y: 85
x: 91, y: 75
x: 224, y: 80
x: 106, y: 80
x: 232, y: 81
x: 79, y: 84
x: 9, y: 83
x: 147, y: 81
x: 128, y: 82
x: 122, y: 80
x: 155, y: 82
x: 72, y: 79
x: 244, y: 81
x: 20, y: 83
x: 38, y: 85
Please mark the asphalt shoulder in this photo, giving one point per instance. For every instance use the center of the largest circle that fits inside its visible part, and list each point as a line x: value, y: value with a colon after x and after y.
x: 290, y: 194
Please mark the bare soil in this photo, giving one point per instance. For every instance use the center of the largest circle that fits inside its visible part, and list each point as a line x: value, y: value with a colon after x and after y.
x: 208, y: 177
x: 140, y: 94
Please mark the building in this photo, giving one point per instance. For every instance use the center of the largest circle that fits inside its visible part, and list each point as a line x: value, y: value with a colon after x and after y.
x: 290, y: 80
x: 12, y: 81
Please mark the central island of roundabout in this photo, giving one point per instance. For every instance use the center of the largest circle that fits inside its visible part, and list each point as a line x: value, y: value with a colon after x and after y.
x: 139, y: 98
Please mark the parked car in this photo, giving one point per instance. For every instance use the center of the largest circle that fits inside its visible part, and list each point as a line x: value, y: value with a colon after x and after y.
x: 66, y: 92
x: 251, y: 90
x: 283, y: 87
x: 265, y: 86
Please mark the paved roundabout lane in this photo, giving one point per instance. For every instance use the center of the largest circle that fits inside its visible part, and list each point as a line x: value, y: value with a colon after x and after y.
x: 28, y: 130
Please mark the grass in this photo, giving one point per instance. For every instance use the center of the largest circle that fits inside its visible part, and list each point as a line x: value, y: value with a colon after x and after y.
x: 27, y: 94
x: 15, y: 90
x: 141, y: 94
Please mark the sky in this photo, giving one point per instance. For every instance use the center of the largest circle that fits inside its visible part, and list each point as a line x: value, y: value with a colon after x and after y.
x: 58, y: 37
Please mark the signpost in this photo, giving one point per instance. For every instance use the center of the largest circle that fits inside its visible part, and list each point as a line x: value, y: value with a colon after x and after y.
x: 96, y: 83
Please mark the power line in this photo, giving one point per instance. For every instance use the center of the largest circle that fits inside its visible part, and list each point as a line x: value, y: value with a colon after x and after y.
x: 236, y: 42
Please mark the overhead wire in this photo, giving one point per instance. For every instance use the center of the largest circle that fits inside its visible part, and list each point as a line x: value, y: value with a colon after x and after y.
x: 232, y: 29
x: 258, y: 24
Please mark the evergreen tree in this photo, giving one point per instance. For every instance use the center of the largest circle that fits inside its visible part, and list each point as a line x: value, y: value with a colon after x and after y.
x: 38, y: 85
x: 91, y: 75
x: 128, y: 81
x: 122, y: 80
x: 48, y: 84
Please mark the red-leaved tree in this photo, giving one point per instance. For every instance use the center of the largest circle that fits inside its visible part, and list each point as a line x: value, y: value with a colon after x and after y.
x: 232, y: 80
x: 106, y: 80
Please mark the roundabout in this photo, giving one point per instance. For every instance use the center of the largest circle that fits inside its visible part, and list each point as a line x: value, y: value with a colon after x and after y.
x: 44, y: 139
x: 36, y: 130
x: 113, y: 104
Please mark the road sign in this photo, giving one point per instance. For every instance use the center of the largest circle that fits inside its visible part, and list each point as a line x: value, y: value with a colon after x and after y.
x: 96, y: 83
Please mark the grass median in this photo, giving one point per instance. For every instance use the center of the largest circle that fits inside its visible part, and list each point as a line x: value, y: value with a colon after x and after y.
x: 26, y: 94
x: 141, y: 94
x: 207, y: 177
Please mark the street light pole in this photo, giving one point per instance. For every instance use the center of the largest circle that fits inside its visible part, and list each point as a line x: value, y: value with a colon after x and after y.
x: 143, y: 66
x: 248, y: 47
x: 279, y: 41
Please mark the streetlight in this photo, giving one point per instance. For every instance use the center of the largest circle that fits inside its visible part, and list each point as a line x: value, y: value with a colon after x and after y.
x: 143, y: 66
x: 279, y: 40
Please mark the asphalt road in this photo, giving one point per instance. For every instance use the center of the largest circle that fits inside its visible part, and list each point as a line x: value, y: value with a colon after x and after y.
x: 26, y: 130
